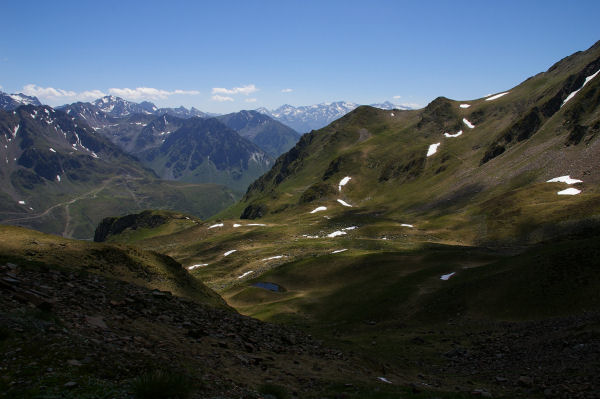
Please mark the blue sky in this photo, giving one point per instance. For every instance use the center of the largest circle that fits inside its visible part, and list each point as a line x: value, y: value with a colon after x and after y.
x: 230, y: 55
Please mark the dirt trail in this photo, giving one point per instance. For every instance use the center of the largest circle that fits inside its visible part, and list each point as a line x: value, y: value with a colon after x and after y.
x: 66, y: 204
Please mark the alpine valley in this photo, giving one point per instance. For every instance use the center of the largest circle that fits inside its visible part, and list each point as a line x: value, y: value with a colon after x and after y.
x: 446, y: 252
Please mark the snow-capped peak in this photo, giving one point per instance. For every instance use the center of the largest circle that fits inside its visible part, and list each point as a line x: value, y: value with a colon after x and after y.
x: 308, y: 117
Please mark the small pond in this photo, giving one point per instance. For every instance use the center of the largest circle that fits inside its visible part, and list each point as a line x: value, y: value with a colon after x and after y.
x: 268, y: 286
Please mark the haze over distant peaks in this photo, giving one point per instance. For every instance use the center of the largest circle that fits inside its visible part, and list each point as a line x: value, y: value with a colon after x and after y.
x: 311, y: 117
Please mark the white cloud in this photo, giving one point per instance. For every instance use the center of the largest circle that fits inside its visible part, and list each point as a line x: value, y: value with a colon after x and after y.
x: 251, y: 100
x: 91, y: 94
x: 287, y: 90
x: 54, y: 95
x: 46, y: 92
x: 221, y: 99
x: 148, y: 93
x: 397, y: 97
x: 246, y: 90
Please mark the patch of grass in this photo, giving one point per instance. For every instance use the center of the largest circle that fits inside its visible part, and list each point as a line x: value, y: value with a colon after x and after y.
x: 161, y: 384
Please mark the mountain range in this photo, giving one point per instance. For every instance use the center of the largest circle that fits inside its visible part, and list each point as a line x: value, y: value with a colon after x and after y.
x: 118, y: 107
x: 306, y: 118
x: 203, y: 152
x: 62, y: 177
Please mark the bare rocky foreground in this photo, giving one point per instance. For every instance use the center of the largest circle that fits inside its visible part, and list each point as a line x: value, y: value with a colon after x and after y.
x: 62, y: 330
x: 78, y: 333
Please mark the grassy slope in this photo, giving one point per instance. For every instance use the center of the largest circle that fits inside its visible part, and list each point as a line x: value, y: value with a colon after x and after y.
x: 145, y: 268
x: 451, y: 191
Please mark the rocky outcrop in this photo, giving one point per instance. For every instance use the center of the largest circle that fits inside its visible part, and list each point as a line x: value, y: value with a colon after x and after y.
x: 116, y: 225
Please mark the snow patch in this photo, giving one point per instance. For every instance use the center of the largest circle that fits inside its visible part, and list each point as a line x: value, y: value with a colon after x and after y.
x: 445, y: 277
x: 569, y: 191
x: 336, y: 234
x: 237, y: 225
x: 229, y: 252
x: 319, y: 209
x: 570, y: 96
x: 469, y: 124
x: 52, y: 149
x: 383, y: 379
x: 256, y: 224
x: 454, y: 135
x: 339, y: 250
x: 496, y: 96
x: 58, y: 178
x: 406, y: 225
x: 216, y: 225
x: 21, y: 202
x: 245, y: 274
x: 343, y: 182
x: 192, y: 267
x: 432, y: 149
x: 274, y: 257
x: 465, y: 105
x: 350, y: 228
x: 308, y: 236
x: 15, y: 130
x: 564, y: 179
x: 344, y: 203
x: 391, y: 114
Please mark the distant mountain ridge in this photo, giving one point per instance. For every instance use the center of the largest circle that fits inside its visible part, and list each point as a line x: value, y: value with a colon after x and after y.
x: 205, y: 150
x: 9, y: 102
x: 270, y: 135
x: 311, y: 117
x: 119, y: 107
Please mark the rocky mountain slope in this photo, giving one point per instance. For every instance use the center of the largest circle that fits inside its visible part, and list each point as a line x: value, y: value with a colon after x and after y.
x: 208, y: 151
x: 60, y: 176
x: 272, y: 136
